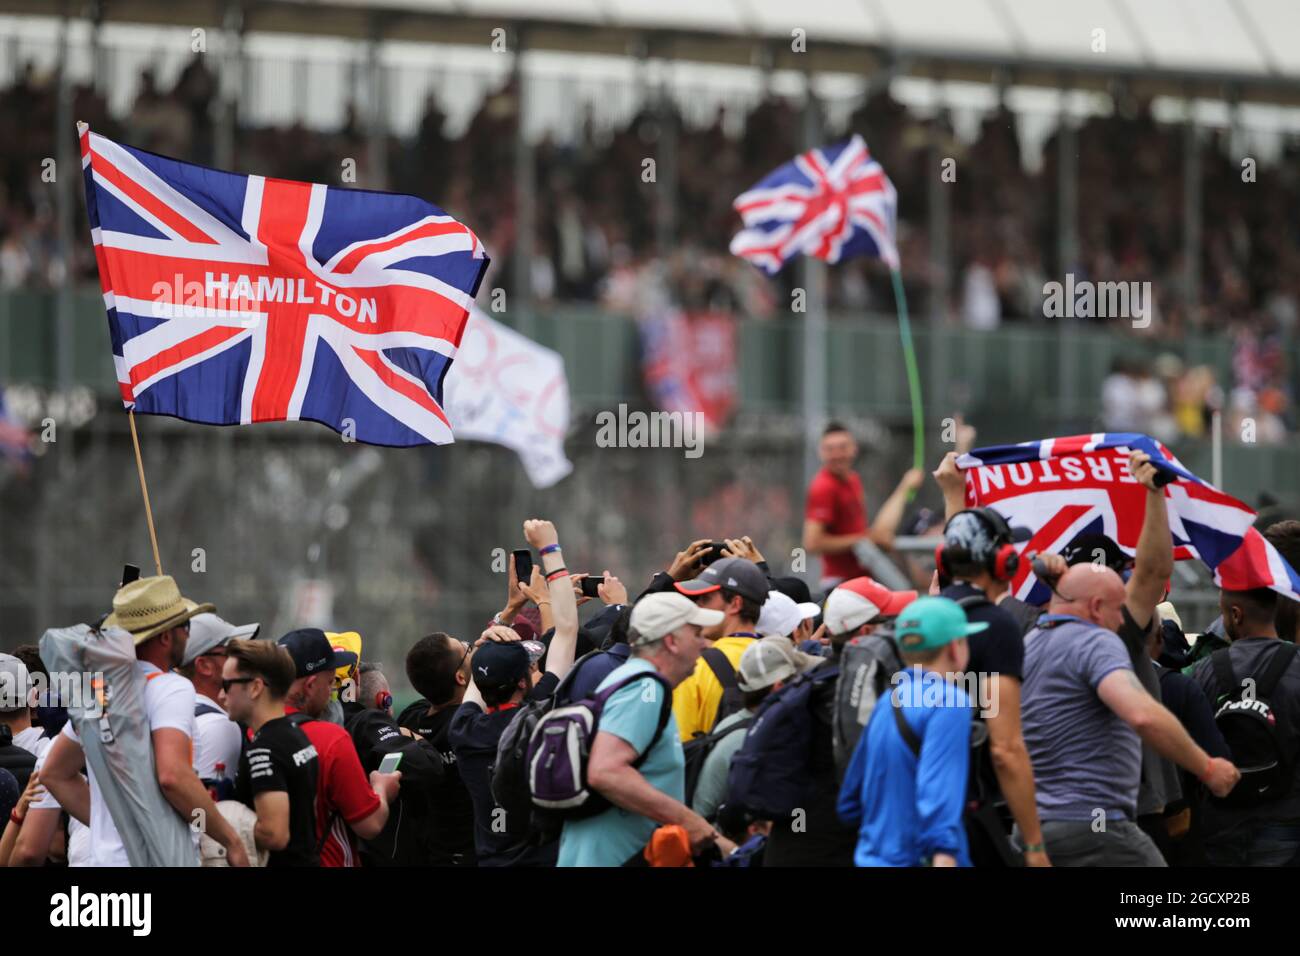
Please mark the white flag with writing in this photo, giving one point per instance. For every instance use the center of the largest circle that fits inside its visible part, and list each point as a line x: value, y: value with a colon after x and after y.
x: 507, y: 389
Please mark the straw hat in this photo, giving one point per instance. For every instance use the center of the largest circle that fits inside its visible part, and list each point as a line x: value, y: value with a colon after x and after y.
x: 148, y: 606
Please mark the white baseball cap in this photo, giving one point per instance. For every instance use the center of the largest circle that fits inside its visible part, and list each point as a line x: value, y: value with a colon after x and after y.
x: 15, y: 683
x: 781, y: 615
x: 658, y: 615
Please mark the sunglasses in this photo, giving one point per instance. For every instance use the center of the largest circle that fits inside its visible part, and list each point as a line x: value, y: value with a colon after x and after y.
x: 229, y: 682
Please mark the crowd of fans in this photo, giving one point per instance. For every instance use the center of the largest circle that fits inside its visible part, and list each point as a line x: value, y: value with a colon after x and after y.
x: 721, y: 717
x: 599, y: 222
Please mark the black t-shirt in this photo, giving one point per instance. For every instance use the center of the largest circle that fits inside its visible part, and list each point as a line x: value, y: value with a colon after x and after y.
x: 998, y: 650
x: 453, y: 838
x: 1159, y: 786
x: 474, y: 736
x: 280, y: 758
x: 1000, y: 647
x: 408, y: 838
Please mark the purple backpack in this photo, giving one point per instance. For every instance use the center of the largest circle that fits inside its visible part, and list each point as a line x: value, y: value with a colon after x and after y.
x: 561, y: 745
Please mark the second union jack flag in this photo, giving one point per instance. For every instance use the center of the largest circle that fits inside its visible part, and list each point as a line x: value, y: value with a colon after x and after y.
x: 235, y: 299
x: 833, y: 203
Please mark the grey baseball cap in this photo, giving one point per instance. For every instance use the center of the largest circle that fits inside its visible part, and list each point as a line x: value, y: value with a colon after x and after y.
x: 771, y: 659
x: 735, y: 574
x: 208, y: 632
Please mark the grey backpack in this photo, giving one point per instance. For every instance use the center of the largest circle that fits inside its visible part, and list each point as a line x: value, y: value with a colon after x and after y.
x: 105, y: 702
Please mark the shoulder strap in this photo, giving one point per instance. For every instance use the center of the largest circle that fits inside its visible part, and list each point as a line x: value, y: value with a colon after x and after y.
x: 904, y: 728
x: 665, y: 709
x: 1225, y: 679
x: 721, y: 667
x: 201, y: 709
x: 1277, y: 665
x: 973, y: 600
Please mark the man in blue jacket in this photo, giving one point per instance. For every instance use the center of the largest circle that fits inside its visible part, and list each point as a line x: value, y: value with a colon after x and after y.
x: 905, y: 786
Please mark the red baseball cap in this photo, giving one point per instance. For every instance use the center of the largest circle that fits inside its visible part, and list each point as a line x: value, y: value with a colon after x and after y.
x: 859, y: 600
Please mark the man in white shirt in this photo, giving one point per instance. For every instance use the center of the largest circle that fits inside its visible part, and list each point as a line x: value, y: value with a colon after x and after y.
x: 157, y: 617
x: 217, y: 744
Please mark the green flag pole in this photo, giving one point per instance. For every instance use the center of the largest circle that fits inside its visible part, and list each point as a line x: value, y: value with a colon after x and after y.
x: 913, y: 378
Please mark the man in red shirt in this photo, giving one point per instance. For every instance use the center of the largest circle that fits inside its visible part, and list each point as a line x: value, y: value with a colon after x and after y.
x: 344, y: 797
x: 835, y: 518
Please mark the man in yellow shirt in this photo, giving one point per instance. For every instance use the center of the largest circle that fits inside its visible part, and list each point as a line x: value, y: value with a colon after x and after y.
x: 737, y: 588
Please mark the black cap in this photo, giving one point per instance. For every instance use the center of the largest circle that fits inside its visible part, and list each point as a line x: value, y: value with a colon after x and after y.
x: 499, y: 664
x: 793, y: 588
x: 735, y: 574
x: 1087, y: 548
x: 312, y: 653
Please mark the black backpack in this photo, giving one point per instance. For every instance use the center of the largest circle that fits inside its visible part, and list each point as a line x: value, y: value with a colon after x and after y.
x: 1261, y: 747
x: 697, y: 751
x: 732, y: 699
x: 508, y: 775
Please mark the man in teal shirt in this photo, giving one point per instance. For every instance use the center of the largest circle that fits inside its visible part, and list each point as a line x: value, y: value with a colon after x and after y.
x: 905, y: 787
x: 664, y: 636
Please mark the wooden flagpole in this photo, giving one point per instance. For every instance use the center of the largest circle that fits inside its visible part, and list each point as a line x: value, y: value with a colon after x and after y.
x: 144, y: 490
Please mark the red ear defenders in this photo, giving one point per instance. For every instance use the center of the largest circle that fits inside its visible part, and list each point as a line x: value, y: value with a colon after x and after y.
x: 1002, y: 563
x: 383, y: 700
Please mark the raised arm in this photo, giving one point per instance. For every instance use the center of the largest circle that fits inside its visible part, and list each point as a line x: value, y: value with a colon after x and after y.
x: 890, y: 515
x: 1155, y: 551
x: 564, y: 606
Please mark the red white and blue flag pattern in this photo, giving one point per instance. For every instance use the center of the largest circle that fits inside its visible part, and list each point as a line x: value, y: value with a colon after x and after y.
x: 234, y: 299
x: 833, y: 203
x: 1060, y: 488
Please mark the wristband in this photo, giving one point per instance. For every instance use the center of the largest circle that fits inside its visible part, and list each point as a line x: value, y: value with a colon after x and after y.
x: 558, y: 572
x: 549, y: 549
x: 1036, y: 848
x: 1209, y: 763
x: 15, y: 818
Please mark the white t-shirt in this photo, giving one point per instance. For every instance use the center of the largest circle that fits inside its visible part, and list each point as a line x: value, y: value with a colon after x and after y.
x: 169, y: 703
x: 78, y: 833
x: 217, y: 742
x: 33, y: 740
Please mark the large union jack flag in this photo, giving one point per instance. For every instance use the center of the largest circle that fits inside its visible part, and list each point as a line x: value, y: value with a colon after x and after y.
x: 1063, y: 487
x: 833, y: 203
x: 235, y: 299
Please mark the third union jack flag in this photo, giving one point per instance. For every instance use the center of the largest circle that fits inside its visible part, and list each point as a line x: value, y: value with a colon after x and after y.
x: 234, y: 299
x: 833, y: 203
x: 1064, y: 487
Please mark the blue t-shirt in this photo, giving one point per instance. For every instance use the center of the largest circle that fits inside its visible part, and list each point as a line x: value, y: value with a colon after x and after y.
x: 907, y: 807
x: 611, y: 838
x: 1085, y: 756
